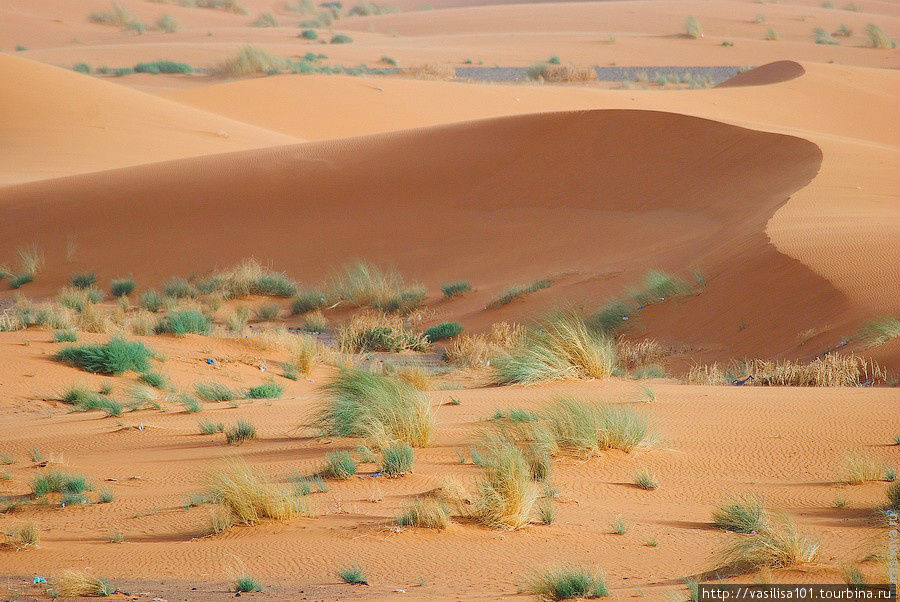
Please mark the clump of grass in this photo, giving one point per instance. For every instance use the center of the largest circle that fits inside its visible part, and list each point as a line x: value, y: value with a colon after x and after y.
x: 373, y: 331
x: 208, y: 427
x: 863, y: 467
x: 444, y: 330
x: 265, y: 391
x: 265, y: 20
x: 178, y: 288
x: 519, y: 291
x: 113, y: 358
x: 339, y: 465
x: 84, y: 280
x: 771, y: 34
x: 60, y: 482
x: 340, y: 39
x: 880, y: 331
x: 121, y: 287
x: 190, y: 404
x: 843, y: 31
x: 153, y: 379
x: 568, y: 582
x: 515, y: 415
x: 893, y: 495
x: 250, y: 60
x: 619, y: 526
x: 777, y: 545
x: 26, y: 536
x: 586, y: 428
x: 251, y: 278
x: 613, y: 316
x: 480, y: 350
x: 397, y: 459
x: 556, y: 73
x: 565, y: 348
x: 823, y: 37
x: 66, y: 335
x: 314, y: 323
x: 414, y: 374
x: 213, y: 391
x: 547, y: 511
x: 268, y: 312
x: 363, y: 284
x: 308, y: 301
x: 308, y: 485
x: 309, y: 34
x: 454, y: 289
x: 692, y: 28
x: 230, y: 6
x: 105, y: 497
x: 151, y: 300
x: 77, y: 584
x: 504, y: 499
x: 353, y: 575
x: 646, y: 480
x: 246, y: 496
x: 427, y: 513
x: 743, y: 514
x: 377, y: 407
x: 247, y: 583
x: 167, y: 24
x: 242, y: 431
x: 879, y: 39
x: 176, y: 285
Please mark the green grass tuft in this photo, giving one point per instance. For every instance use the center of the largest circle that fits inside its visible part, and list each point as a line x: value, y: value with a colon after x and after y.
x: 213, y: 391
x: 397, y: 459
x: 265, y: 391
x: 646, y: 480
x: 880, y: 331
x: 519, y: 291
x: 122, y: 287
x: 353, y: 575
x: 453, y: 289
x: 444, y: 330
x: 247, y: 584
x: 567, y: 583
x: 339, y: 465
x: 242, y: 431
x: 60, y: 482
x: 693, y: 28
x: 153, y: 378
x: 743, y: 514
x: 66, y: 335
x: 84, y: 280
x: 208, y: 427
x: 113, y: 358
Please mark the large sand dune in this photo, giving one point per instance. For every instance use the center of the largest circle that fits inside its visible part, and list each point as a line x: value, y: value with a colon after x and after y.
x: 57, y: 123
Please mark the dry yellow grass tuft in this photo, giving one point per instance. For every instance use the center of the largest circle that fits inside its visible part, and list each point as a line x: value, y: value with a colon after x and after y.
x: 415, y: 375
x: 77, y: 584
x: 777, y: 545
x: 832, y: 370
x: 431, y: 71
x: 246, y: 497
x: 476, y: 351
x: 505, y: 496
x: 378, y: 331
x: 429, y: 513
x: 634, y: 354
x: 568, y: 74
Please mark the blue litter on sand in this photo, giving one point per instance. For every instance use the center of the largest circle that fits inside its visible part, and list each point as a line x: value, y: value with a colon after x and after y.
x: 39, y: 580
x: 211, y: 361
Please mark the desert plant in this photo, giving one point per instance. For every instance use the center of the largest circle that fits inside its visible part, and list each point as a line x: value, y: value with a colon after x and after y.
x: 381, y: 408
x: 340, y: 39
x: 453, y: 289
x: 190, y: 404
x: 153, y: 378
x: 314, y: 322
x: 646, y: 480
x: 353, y: 575
x: 246, y: 496
x: 251, y: 278
x: 397, y: 459
x: 309, y: 34
x: 155, y: 68
x: 862, y: 467
x: 743, y: 514
x: 481, y: 350
x: 619, y: 526
x: 547, y: 511
x: 66, y: 335
x: 151, y: 300
x: 113, y: 358
x: 565, y: 348
x: 250, y: 60
x: 208, y: 427
x: 84, y: 280
x: 879, y: 39
x: 247, y: 583
x: 777, y: 545
x: 515, y: 415
x: 213, y: 391
x: 374, y: 331
x: 415, y: 375
x: 26, y: 536
x: 504, y: 499
x: 556, y: 73
x: 307, y: 301
x: 243, y: 430
x: 265, y: 20
x: 364, y: 284
x: 893, y: 495
x: 265, y: 391
x: 880, y: 331
x: 568, y: 582
x: 692, y: 28
x: 76, y: 584
x: 444, y: 330
x: 230, y: 6
x: 105, y: 497
x: 612, y: 316
x: 428, y: 513
x: 586, y: 428
x: 178, y: 288
x: 823, y: 37
x: 267, y: 312
x: 771, y: 34
x: 122, y: 287
x: 167, y: 24
x: 518, y: 291
x: 843, y: 31
x: 56, y: 481
x: 339, y: 465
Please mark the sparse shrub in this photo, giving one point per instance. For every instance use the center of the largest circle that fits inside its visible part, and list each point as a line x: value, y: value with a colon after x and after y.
x: 113, y: 358
x: 386, y: 60
x: 555, y: 73
x: 240, y: 432
x: 20, y: 280
x: 105, y: 497
x: 307, y: 301
x: 314, y: 323
x: 547, y: 511
x: 515, y: 415
x: 266, y: 20
x: 152, y: 378
x: 247, y: 584
x: 230, y: 6
x: 60, y: 482
x: 893, y: 495
x: 84, y: 280
x: 66, y: 335
x: 414, y: 375
x: 564, y: 349
x: 353, y: 575
x: 504, y: 499
x: 444, y: 330
x: 381, y: 408
x: 246, y: 496
x: 339, y: 465
x: 568, y: 582
x: 118, y: 16
x: 26, y: 536
x: 613, y: 316
x: 428, y: 514
x: 586, y: 428
x: 340, y: 39
x: 879, y: 39
x: 167, y: 24
x: 76, y: 584
x: 267, y: 312
x: 823, y: 37
x: 880, y: 331
x: 863, y: 467
x: 771, y: 34
x: 480, y: 350
x: 151, y: 301
x: 692, y: 28
x: 363, y: 284
x: 265, y: 391
x: 778, y: 545
x: 828, y: 4
x: 843, y: 31
x: 646, y: 480
x: 213, y: 391
x: 619, y: 526
x: 122, y: 287
x: 208, y: 427
x: 309, y: 485
x: 397, y: 459
x: 743, y: 514
x: 518, y: 291
x: 250, y: 60
x: 155, y: 68
x: 250, y: 278
x: 373, y: 331
x: 309, y: 34
x: 453, y: 289
x: 178, y: 288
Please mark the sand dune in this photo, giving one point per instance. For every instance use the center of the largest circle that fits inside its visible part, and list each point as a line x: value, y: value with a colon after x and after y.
x: 58, y: 123
x: 771, y: 73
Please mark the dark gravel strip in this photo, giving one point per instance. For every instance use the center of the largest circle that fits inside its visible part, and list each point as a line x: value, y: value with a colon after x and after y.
x: 715, y: 74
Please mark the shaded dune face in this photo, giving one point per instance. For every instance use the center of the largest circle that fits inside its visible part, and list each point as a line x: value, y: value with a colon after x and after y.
x: 603, y: 194
x: 771, y: 73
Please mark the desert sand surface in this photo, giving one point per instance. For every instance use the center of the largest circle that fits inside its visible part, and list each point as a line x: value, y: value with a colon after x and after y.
x: 771, y: 199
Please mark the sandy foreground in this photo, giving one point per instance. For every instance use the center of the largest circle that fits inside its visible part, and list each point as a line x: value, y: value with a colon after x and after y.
x: 780, y: 189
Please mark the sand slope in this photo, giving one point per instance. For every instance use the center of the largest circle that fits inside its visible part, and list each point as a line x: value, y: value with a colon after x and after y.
x: 57, y: 122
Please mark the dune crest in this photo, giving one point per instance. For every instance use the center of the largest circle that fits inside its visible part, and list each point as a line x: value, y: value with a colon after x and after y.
x: 770, y: 73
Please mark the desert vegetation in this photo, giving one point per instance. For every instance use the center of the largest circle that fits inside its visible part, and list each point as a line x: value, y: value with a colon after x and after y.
x: 245, y: 496
x: 566, y: 583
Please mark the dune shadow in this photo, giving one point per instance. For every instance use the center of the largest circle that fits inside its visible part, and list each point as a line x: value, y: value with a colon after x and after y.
x: 687, y: 524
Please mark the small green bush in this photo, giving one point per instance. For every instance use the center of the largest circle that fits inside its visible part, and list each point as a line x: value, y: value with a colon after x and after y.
x: 57, y: 481
x: 877, y: 37
x: 122, y: 287
x: 167, y: 24
x: 154, y: 379
x: 155, y: 68
x: 265, y: 20
x: 309, y: 34
x: 452, y: 289
x: 567, y: 583
x: 106, y: 496
x: 183, y: 321
x: 397, y: 459
x: 151, y: 301
x: 308, y: 301
x: 213, y: 391
x: 113, y: 358
x: 340, y: 39
x: 339, y: 465
x: 66, y: 335
x: 82, y: 68
x: 823, y: 37
x: 444, y: 330
x: 353, y: 575
x: 692, y: 28
x: 516, y: 292
x: 247, y: 584
x: 743, y: 514
x: 20, y: 280
x: 267, y: 312
x: 84, y: 280
x: 190, y: 404
x: 265, y: 391
x: 178, y: 288
x: 240, y: 432
x: 208, y: 427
